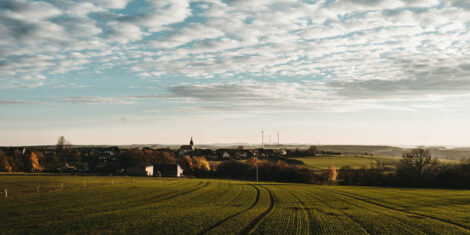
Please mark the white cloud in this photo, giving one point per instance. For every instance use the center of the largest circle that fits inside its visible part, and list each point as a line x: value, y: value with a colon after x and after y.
x: 114, y: 4
x: 125, y: 32
x: 192, y: 32
x: 29, y: 11
x: 164, y: 13
x: 82, y: 9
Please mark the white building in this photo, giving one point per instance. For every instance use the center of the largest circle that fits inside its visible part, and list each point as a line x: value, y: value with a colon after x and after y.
x: 140, y: 170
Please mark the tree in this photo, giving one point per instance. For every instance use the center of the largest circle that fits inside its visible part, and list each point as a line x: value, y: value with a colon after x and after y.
x: 4, y: 164
x: 201, y: 163
x: 16, y: 160
x: 417, y: 161
x: 31, y: 162
x: 63, y: 147
x: 312, y: 150
x: 331, y: 174
x: 60, y: 146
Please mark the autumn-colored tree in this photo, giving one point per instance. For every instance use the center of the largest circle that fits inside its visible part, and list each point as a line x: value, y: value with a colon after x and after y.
x: 282, y: 164
x: 187, y: 162
x: 331, y: 174
x: 4, y: 164
x: 31, y: 162
x: 195, y: 163
x: 201, y: 163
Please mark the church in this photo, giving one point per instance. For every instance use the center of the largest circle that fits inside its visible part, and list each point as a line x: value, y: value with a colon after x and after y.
x: 186, y: 149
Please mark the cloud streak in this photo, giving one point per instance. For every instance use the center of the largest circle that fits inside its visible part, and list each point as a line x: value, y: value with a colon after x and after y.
x: 91, y: 100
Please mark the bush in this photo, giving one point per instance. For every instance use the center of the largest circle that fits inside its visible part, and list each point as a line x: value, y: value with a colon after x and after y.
x: 267, y: 171
x: 135, y: 157
x: 197, y: 166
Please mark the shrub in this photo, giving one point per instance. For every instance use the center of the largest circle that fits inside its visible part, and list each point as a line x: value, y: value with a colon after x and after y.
x: 267, y: 171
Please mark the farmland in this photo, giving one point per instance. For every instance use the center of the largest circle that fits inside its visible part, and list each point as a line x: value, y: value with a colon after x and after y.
x: 86, y: 204
x: 322, y: 162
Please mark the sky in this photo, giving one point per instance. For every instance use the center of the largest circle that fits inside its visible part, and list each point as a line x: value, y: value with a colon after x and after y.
x: 394, y: 72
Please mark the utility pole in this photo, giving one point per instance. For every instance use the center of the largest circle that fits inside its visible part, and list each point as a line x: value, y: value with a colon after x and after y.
x: 262, y: 147
x: 278, y: 138
x: 262, y: 139
x: 256, y: 169
x: 269, y: 139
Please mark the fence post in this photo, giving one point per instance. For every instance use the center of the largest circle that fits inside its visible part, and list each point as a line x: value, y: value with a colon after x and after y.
x: 6, y: 193
x: 62, y: 186
x: 37, y: 188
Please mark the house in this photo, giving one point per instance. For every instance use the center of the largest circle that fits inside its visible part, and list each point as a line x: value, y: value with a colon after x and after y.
x: 186, y: 149
x: 234, y: 153
x: 66, y: 168
x: 144, y: 170
x: 225, y: 153
x: 207, y: 153
x: 265, y: 152
x: 167, y: 170
x: 109, y: 151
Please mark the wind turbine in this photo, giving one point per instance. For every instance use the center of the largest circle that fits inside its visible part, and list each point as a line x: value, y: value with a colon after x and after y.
x: 262, y: 147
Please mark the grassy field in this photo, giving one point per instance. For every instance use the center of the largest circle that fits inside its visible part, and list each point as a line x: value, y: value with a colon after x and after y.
x: 322, y: 162
x: 136, y: 205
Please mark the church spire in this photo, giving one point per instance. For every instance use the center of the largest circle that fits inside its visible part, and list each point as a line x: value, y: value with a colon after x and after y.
x: 191, y: 143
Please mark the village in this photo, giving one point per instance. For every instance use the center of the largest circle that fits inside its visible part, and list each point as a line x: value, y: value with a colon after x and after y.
x: 145, y: 161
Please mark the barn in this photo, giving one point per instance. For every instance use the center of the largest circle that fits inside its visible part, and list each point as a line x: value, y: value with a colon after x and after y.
x: 167, y: 170
x: 144, y: 170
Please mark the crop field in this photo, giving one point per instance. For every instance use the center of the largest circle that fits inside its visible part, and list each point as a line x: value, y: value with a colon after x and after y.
x: 322, y: 162
x: 137, y: 205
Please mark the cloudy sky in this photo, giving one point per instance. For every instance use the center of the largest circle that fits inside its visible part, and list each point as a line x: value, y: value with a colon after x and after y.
x: 158, y: 71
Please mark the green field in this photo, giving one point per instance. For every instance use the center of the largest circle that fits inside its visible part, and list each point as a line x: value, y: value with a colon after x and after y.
x: 85, y: 204
x: 322, y: 162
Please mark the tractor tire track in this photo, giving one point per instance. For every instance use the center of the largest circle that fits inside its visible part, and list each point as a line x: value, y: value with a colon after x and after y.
x: 161, y: 198
x: 252, y: 225
x: 402, y: 224
x: 231, y: 216
x: 348, y: 216
x: 308, y: 215
x: 463, y: 201
x: 403, y: 211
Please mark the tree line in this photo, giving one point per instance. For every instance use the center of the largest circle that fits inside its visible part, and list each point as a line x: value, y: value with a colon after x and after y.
x: 417, y: 168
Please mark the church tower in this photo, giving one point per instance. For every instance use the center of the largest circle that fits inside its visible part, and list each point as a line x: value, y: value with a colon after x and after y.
x: 191, y: 143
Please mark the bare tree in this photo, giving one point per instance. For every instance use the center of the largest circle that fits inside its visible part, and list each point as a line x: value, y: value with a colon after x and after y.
x: 60, y: 146
x: 63, y: 147
x: 417, y: 161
